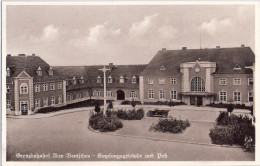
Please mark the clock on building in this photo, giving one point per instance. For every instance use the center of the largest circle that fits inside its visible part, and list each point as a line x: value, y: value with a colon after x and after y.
x: 197, y: 69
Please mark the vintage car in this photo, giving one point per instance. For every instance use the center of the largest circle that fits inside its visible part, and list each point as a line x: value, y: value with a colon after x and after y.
x: 158, y: 112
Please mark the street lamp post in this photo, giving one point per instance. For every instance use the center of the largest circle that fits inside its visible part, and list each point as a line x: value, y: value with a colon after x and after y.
x: 104, y: 69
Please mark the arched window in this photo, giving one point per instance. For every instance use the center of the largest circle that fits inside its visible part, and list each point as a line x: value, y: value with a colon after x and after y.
x: 23, y: 88
x: 197, y: 85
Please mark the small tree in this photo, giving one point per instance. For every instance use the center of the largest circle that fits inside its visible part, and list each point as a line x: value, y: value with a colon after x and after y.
x: 230, y: 108
x: 133, y: 103
x: 97, y: 108
x: 110, y: 105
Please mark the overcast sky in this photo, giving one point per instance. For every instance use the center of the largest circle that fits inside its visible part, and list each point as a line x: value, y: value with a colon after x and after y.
x: 91, y: 35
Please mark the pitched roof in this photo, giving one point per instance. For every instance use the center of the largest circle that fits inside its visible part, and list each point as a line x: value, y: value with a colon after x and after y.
x: 226, y: 59
x: 30, y: 64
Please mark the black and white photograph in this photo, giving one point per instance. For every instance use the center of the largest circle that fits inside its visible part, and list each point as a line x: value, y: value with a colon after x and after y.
x: 111, y: 81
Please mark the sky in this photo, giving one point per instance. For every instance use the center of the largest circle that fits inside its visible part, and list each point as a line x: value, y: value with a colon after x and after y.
x: 97, y: 35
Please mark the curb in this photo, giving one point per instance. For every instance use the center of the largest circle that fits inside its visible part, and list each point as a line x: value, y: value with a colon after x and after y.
x: 164, y: 140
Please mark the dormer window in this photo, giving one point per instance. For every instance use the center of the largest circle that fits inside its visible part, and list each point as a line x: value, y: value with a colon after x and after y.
x: 237, y: 67
x: 82, y: 80
x: 50, y: 71
x: 99, y: 79
x: 39, y: 71
x: 74, y: 80
x: 121, y: 80
x: 110, y: 79
x: 8, y: 72
x: 134, y: 80
x: 162, y: 68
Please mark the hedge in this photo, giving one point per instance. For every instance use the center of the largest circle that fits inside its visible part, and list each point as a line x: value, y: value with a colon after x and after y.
x: 127, y: 114
x: 169, y: 103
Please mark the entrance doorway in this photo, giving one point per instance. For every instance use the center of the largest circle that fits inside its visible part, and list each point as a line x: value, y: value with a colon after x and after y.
x: 196, y: 100
x: 192, y: 100
x: 120, y: 95
x: 24, y: 107
x: 199, y: 101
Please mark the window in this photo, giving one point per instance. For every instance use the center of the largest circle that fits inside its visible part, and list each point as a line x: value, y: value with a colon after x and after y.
x: 50, y: 71
x: 45, y: 101
x: 37, y: 88
x: 99, y: 79
x: 109, y: 80
x: 8, y: 104
x: 150, y: 80
x: 45, y: 87
x: 74, y: 81
x: 222, y: 96
x: 85, y: 94
x: 39, y: 71
x: 197, y: 85
x: 8, y: 72
x: 7, y: 88
x: 237, y: 81
x: 222, y: 81
x: 78, y: 95
x: 161, y: 94
x: 150, y: 94
x: 109, y: 93
x: 134, y: 80
x: 82, y: 81
x: 121, y: 80
x: 250, y: 81
x: 59, y: 85
x: 237, y: 67
x: 59, y: 99
x: 250, y: 96
x: 69, y: 97
x: 173, y: 81
x: 24, y: 88
x: 37, y: 103
x: 173, y: 94
x: 52, y: 86
x: 133, y: 94
x: 237, y: 96
x: 52, y: 100
x: 161, y: 80
x: 98, y: 93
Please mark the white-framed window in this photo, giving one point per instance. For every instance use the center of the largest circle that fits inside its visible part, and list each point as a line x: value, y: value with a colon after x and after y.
x: 78, y: 95
x: 50, y: 71
x: 99, y: 79
x: 39, y: 71
x: 82, y: 81
x: 222, y: 81
x: 150, y: 80
x: 37, y: 103
x: 133, y: 94
x: 173, y: 81
x: 45, y: 101
x: 161, y: 94
x: 134, y: 80
x: 69, y: 97
x: 250, y: 81
x: 150, y: 94
x: 52, y: 100
x: 59, y: 99
x: 8, y: 72
x: 109, y: 93
x: 161, y: 80
x: 110, y: 80
x: 197, y: 84
x: 173, y: 94
x: 74, y: 81
x: 8, y: 104
x: 85, y: 94
x: 222, y: 96
x: 23, y: 88
x: 37, y: 88
x: 237, y: 81
x: 52, y: 86
x: 45, y: 87
x: 7, y: 88
x: 250, y: 96
x: 237, y: 67
x: 121, y: 80
x: 237, y: 96
x: 98, y: 93
x: 59, y: 85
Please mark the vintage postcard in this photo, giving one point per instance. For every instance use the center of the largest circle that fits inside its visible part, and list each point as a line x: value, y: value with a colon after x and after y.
x: 130, y: 83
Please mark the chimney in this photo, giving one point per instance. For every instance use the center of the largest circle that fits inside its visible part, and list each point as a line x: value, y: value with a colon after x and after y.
x: 218, y: 47
x: 163, y: 49
x: 8, y: 54
x: 21, y: 55
x: 242, y: 45
x: 184, y: 48
x: 33, y: 54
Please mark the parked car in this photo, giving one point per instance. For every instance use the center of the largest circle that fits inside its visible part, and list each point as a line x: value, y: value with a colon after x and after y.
x: 158, y: 112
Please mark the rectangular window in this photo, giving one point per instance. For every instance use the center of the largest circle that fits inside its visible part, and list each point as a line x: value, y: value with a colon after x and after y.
x: 69, y: 97
x: 52, y: 100
x: 150, y: 80
x: 99, y: 80
x: 52, y: 86
x: 85, y: 94
x: 59, y: 99
x: 45, y: 101
x: 173, y: 94
x: 133, y: 94
x: 134, y: 80
x: 45, y: 87
x: 110, y: 80
x: 109, y: 93
x: 173, y: 81
x: 23, y: 88
x: 59, y: 85
x: 161, y: 80
x: 8, y: 104
x: 250, y: 81
x: 7, y: 88
x: 150, y: 94
x: 121, y: 80
x: 222, y: 96
x: 222, y: 81
x: 237, y: 96
x: 250, y: 96
x: 237, y: 81
x: 37, y: 88
x: 98, y: 93
x: 162, y: 94
x: 37, y: 103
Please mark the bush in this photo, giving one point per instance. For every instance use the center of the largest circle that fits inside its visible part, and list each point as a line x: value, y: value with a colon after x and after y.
x: 127, y: 115
x: 170, y: 125
x: 171, y: 103
x: 165, y: 103
x: 225, y: 105
x: 133, y: 103
x: 127, y: 102
x: 221, y: 135
x: 230, y: 108
x: 97, y: 108
x: 104, y: 124
x: 222, y: 119
x: 110, y: 105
